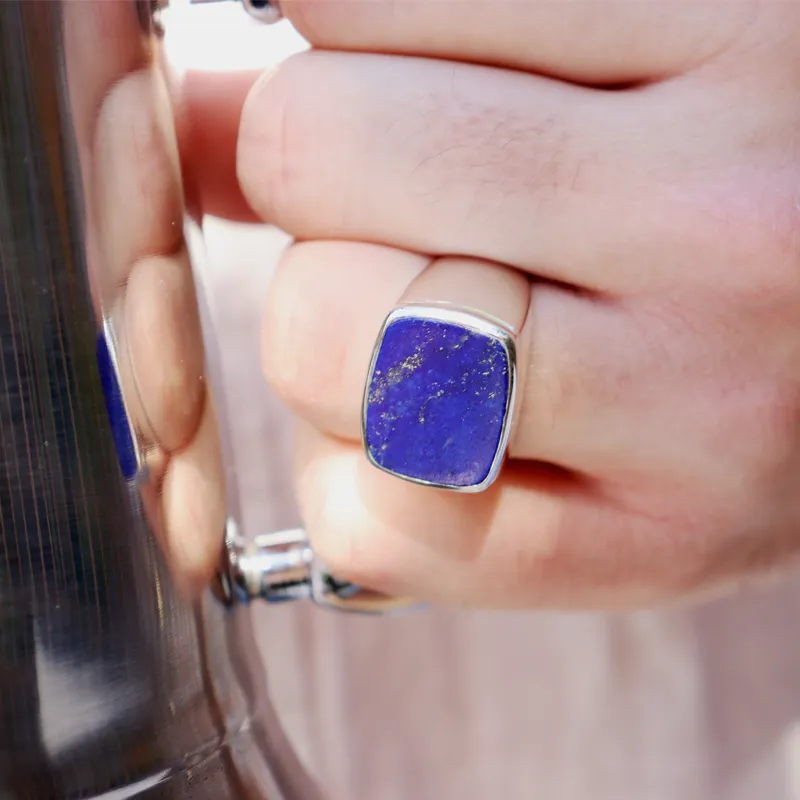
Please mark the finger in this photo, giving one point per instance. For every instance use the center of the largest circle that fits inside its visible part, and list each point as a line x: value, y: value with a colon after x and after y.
x: 164, y: 341
x: 328, y: 301
x: 137, y: 192
x: 598, y: 376
x: 194, y: 505
x: 325, y: 307
x: 605, y: 43
x: 145, y: 292
x: 209, y: 111
x: 104, y: 42
x: 535, y: 538
x: 455, y: 159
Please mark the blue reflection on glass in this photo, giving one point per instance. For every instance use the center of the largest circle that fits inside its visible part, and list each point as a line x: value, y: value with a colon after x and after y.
x: 117, y: 414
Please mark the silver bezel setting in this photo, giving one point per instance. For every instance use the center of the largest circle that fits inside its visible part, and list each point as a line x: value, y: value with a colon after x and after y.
x: 472, y: 320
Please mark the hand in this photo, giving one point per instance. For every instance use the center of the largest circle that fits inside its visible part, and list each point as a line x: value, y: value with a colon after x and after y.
x: 622, y: 177
x: 141, y: 278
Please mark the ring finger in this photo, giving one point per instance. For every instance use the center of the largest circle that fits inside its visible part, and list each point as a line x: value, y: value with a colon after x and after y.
x: 578, y: 407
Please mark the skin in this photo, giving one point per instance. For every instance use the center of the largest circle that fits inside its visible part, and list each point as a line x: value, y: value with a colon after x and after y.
x: 631, y: 171
x: 141, y: 278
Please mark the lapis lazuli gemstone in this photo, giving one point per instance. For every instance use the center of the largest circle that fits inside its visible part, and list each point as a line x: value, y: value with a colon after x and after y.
x: 117, y: 414
x: 436, y: 402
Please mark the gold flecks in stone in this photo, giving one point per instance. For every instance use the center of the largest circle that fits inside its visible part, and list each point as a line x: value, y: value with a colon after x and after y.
x: 460, y: 343
x: 394, y: 375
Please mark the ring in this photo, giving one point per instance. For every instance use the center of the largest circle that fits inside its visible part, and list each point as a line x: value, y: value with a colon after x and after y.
x: 440, y: 395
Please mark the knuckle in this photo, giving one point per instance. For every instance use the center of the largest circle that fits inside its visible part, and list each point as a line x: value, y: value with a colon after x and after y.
x: 511, y: 152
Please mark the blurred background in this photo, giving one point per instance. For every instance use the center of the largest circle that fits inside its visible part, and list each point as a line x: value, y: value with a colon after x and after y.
x: 693, y: 704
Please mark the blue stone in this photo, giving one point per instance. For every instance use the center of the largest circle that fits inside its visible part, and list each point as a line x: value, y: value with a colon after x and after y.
x: 436, y: 402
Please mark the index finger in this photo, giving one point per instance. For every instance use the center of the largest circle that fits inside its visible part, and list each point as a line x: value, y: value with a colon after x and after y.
x: 589, y: 42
